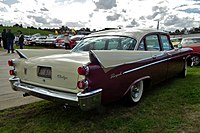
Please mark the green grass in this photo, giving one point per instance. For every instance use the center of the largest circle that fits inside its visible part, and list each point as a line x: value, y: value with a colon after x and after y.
x: 25, y: 31
x: 172, y: 106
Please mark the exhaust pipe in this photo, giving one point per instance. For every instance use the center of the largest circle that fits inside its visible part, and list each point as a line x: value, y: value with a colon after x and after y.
x: 25, y: 95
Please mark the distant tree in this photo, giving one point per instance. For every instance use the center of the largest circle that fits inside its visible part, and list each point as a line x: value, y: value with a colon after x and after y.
x: 184, y: 31
x: 87, y: 29
x: 16, y: 25
x: 177, y: 31
x: 31, y: 27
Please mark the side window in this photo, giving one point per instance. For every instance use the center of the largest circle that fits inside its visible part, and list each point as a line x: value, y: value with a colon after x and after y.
x: 99, y: 45
x: 113, y: 43
x: 165, y: 42
x: 128, y: 44
x: 152, y: 43
x: 141, y: 46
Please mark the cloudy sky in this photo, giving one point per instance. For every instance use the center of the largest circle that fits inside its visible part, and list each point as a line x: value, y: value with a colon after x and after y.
x: 98, y: 14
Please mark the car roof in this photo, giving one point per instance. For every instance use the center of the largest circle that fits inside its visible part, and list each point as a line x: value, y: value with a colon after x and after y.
x: 130, y: 32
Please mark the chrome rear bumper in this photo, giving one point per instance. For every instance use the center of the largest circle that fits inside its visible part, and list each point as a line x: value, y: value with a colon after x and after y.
x: 85, y: 101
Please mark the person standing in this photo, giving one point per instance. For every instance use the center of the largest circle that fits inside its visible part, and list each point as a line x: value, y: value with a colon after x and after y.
x: 0, y: 40
x: 67, y: 40
x: 10, y: 41
x: 3, y: 35
x: 21, y: 40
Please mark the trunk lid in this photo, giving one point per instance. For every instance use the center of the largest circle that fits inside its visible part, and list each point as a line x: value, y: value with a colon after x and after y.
x: 58, y: 72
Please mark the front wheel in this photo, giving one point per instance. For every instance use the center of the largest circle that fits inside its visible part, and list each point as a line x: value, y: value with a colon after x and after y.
x: 183, y: 74
x: 135, y: 93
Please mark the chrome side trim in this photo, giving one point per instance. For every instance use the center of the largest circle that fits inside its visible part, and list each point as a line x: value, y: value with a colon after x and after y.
x: 138, y: 68
x: 89, y: 93
x: 21, y: 54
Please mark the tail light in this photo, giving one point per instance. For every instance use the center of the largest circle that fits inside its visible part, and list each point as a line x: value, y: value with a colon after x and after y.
x: 12, y: 72
x: 82, y: 84
x: 84, y: 70
x: 10, y: 62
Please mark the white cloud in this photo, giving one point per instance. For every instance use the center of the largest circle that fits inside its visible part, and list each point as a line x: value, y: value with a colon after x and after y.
x: 173, y: 14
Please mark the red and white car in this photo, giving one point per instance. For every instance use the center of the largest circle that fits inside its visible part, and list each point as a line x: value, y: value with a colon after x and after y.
x: 104, y: 67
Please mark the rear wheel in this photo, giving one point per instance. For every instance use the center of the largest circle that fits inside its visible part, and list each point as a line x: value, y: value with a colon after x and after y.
x: 135, y: 93
x: 195, y: 60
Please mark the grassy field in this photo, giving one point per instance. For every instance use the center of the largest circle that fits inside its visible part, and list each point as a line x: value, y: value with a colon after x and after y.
x: 26, y: 31
x: 172, y: 106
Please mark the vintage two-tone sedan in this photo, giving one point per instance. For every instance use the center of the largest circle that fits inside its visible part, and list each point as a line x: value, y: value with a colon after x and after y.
x: 104, y: 67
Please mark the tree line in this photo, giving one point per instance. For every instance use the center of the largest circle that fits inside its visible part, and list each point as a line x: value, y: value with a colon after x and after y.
x: 63, y: 29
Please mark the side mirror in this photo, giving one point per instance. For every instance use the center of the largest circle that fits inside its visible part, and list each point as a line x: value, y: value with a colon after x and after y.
x: 179, y: 46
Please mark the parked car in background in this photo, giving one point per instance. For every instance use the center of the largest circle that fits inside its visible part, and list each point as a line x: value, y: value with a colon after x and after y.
x: 27, y: 39
x: 74, y: 40
x: 60, y: 43
x: 50, y: 40
x: 32, y: 40
x: 40, y: 40
x: 104, y: 67
x: 176, y: 41
x: 194, y: 43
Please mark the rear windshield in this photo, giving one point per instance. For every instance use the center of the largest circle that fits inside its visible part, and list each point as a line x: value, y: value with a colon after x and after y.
x: 106, y: 43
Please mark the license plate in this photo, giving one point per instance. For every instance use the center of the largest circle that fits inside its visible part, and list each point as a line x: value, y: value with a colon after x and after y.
x: 44, y: 72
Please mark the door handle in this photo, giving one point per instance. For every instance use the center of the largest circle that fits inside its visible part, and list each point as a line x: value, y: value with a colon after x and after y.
x: 154, y: 56
x: 169, y: 54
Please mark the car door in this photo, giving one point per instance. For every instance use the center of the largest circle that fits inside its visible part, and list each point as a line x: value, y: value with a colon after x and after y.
x: 157, y: 68
x: 175, y: 60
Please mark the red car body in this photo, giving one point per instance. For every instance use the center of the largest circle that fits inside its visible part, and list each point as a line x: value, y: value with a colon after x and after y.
x: 74, y: 40
x: 194, y: 43
x: 60, y: 43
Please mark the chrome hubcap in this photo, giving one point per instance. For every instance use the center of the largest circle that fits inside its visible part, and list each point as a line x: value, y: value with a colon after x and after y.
x: 136, y: 91
x: 196, y: 60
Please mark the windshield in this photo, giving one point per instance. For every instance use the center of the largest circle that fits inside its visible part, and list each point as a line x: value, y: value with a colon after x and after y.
x: 105, y: 43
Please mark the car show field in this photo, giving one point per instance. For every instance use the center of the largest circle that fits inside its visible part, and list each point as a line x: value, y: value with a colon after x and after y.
x: 170, y: 106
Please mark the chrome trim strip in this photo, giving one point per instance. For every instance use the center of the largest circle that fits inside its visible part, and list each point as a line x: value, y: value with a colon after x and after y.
x: 85, y: 101
x: 21, y: 54
x: 46, y: 92
x: 138, y: 68
x: 89, y: 93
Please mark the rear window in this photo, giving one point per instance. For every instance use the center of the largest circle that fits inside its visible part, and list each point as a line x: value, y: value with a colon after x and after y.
x: 106, y: 43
